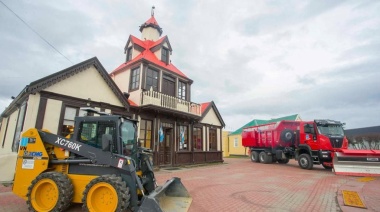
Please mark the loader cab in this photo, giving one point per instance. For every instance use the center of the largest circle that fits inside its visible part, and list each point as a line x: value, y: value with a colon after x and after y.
x: 109, y: 133
x: 128, y: 138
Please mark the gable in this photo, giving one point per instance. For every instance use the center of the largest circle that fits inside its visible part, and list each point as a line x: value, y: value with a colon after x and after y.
x: 87, y: 84
x: 211, y: 118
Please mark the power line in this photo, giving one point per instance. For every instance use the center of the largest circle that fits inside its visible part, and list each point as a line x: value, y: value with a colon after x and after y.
x: 36, y: 32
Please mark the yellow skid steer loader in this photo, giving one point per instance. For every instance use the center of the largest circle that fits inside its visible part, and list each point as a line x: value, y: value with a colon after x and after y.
x: 100, y: 166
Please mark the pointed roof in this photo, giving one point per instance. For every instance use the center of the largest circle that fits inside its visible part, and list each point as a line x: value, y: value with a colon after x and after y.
x: 256, y: 122
x: 206, y: 106
x: 151, y: 22
x: 147, y: 44
x: 147, y: 55
x: 45, y: 82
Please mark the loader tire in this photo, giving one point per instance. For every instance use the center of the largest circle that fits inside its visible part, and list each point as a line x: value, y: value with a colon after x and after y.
x: 50, y: 191
x: 255, y: 157
x: 305, y: 161
x: 106, y: 193
x: 265, y: 158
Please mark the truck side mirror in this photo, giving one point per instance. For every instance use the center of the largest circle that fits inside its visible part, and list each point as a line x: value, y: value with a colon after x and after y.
x: 106, y: 142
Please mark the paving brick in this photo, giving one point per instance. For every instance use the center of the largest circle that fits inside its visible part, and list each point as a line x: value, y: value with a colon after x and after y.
x: 240, y: 185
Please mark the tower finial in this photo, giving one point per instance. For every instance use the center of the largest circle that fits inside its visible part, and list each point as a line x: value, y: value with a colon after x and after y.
x: 152, y: 13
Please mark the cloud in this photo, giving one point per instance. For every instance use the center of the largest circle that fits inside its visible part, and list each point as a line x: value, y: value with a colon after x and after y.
x: 254, y: 59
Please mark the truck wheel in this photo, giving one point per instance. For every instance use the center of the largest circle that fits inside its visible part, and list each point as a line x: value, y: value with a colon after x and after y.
x: 50, y: 191
x: 274, y: 159
x: 106, y: 193
x: 255, y: 157
x: 305, y: 162
x: 264, y: 158
x: 327, y: 167
x: 283, y: 161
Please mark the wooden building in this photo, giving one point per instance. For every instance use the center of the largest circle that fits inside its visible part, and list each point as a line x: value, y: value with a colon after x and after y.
x: 146, y: 87
x: 160, y: 96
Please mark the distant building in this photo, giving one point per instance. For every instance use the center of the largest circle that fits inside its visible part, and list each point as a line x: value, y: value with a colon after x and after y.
x: 235, y: 147
x: 363, y: 138
x: 225, y: 141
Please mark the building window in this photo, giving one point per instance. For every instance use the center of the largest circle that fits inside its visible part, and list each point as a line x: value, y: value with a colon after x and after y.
x: 145, y: 137
x: 197, y: 139
x: 165, y: 55
x: 181, y: 90
x: 182, y: 136
x: 135, y: 79
x: 152, y: 79
x: 68, y: 121
x: 236, y: 142
x: 213, y: 141
x: 129, y: 54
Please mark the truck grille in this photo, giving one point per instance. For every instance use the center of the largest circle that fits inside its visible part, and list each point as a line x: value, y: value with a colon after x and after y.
x: 336, y: 142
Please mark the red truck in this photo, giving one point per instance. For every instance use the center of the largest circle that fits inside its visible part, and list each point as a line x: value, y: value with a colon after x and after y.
x: 309, y: 142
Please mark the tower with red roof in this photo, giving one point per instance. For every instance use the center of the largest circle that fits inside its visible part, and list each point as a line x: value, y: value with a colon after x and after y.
x: 159, y: 95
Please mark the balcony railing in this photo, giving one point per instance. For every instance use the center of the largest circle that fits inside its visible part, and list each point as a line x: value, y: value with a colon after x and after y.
x: 159, y: 99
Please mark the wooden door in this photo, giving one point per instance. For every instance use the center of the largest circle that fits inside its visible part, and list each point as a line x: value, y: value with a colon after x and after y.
x: 165, y: 151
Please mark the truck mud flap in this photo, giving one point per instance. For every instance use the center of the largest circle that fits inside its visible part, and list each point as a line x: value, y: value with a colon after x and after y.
x: 172, y: 196
x: 352, y: 162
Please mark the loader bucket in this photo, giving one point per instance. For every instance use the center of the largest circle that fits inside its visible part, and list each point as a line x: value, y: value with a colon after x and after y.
x: 172, y: 196
x: 352, y: 162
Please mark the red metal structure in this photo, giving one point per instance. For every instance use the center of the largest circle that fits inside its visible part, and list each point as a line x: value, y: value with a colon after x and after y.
x: 309, y: 142
x: 362, y: 162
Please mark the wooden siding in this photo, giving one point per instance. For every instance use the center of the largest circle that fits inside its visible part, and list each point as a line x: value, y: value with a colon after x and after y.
x: 188, y: 158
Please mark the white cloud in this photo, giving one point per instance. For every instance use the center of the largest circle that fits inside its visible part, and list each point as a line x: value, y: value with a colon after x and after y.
x: 254, y: 59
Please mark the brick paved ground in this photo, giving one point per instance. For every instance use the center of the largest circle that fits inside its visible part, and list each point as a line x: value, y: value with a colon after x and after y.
x: 240, y: 185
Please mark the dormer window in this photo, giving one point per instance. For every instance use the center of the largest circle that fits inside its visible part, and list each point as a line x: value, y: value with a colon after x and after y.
x: 165, y: 55
x: 129, y: 54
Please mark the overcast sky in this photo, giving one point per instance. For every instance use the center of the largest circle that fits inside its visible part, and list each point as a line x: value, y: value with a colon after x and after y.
x: 254, y: 59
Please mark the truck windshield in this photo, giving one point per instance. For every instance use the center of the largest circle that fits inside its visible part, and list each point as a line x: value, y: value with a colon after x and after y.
x: 331, y: 130
x: 128, y: 135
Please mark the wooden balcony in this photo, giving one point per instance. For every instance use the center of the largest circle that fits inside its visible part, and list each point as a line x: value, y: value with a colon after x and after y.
x: 169, y: 102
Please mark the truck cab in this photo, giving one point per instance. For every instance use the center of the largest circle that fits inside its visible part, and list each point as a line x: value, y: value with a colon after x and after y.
x: 320, y: 139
